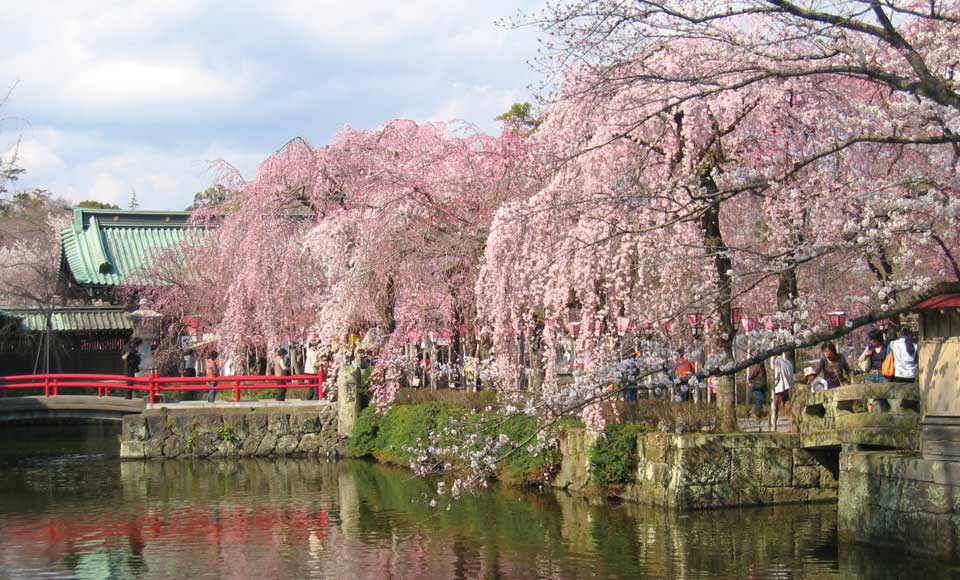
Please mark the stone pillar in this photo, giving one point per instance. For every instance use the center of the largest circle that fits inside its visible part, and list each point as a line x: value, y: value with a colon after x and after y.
x: 348, y: 401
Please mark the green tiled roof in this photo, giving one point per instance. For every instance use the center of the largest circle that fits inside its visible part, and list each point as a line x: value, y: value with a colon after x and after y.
x: 103, y: 247
x: 72, y: 319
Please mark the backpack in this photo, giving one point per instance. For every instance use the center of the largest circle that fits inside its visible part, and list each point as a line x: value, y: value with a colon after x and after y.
x: 889, y: 367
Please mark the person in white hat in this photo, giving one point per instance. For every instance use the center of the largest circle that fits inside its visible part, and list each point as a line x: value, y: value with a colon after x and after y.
x: 816, y: 383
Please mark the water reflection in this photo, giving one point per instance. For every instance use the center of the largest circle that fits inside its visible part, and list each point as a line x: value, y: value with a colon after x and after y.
x: 80, y: 513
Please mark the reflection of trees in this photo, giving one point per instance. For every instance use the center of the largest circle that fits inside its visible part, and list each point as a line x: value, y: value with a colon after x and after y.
x: 302, y: 518
x: 770, y: 542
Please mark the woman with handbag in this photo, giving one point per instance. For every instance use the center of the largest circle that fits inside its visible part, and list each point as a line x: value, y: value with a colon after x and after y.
x: 904, y: 354
x: 871, y: 361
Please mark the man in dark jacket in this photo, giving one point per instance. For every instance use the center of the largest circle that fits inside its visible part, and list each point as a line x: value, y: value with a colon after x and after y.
x: 131, y: 362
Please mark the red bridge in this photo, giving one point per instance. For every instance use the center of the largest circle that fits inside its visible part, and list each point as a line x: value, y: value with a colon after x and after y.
x: 94, y: 396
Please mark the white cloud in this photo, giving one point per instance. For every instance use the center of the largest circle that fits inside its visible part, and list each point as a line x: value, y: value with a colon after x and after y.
x: 128, y: 94
x: 110, y: 171
x: 478, y: 104
x: 117, y: 57
x: 37, y: 152
x: 444, y: 29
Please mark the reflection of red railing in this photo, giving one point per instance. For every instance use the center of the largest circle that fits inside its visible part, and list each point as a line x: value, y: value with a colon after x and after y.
x: 155, y: 385
x: 43, y: 536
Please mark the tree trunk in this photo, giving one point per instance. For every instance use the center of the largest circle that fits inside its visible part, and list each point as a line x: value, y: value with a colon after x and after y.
x: 787, y: 291
x: 718, y: 251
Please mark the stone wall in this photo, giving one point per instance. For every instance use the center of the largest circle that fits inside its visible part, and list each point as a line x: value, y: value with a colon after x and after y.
x: 574, y: 472
x: 713, y: 470
x: 901, y: 500
x: 233, y: 432
x: 706, y: 470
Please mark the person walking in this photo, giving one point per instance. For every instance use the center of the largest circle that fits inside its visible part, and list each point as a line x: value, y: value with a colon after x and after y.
x: 131, y: 363
x: 311, y: 366
x: 833, y: 367
x: 904, y: 351
x: 189, y: 364
x: 281, y: 366
x: 757, y: 378
x: 871, y: 360
x: 213, y: 371
x: 782, y: 385
x: 684, y: 369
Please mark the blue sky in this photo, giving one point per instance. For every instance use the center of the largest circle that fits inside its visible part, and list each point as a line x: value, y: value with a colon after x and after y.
x: 113, y: 96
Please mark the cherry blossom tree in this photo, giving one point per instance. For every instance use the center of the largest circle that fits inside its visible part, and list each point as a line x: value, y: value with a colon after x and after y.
x: 379, y: 229
x: 709, y: 154
x: 30, y: 225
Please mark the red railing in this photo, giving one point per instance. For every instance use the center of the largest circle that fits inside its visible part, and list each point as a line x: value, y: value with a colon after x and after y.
x: 155, y: 385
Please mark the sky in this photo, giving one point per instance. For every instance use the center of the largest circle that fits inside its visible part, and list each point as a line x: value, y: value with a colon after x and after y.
x: 108, y: 97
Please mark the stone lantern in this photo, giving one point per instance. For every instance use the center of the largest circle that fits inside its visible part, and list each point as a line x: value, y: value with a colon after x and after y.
x: 146, y: 326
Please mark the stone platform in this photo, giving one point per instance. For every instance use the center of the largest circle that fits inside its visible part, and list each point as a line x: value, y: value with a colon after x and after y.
x: 245, y: 429
x: 871, y: 415
x: 697, y: 470
x: 721, y: 470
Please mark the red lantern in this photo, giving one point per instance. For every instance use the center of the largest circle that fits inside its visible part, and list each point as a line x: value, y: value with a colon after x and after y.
x: 695, y: 319
x: 736, y: 315
x: 707, y: 325
x: 768, y: 322
x: 883, y: 324
x: 573, y: 329
x: 667, y: 326
x: 749, y: 324
x: 623, y: 324
x: 837, y: 319
x: 432, y: 336
x: 476, y: 331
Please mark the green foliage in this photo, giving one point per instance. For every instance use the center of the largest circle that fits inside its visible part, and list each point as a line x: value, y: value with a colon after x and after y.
x: 389, y: 437
x: 94, y: 204
x: 27, y: 202
x: 363, y: 439
x: 211, y: 196
x: 404, y: 425
x: 613, y: 460
x: 225, y: 432
x: 363, y: 389
x: 526, y: 465
x: 521, y: 115
x: 455, y: 398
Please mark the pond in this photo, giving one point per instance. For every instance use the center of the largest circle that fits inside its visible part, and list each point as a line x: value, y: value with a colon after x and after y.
x: 70, y: 509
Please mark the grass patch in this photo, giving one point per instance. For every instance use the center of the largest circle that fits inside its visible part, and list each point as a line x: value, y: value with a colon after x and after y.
x: 388, y: 437
x: 613, y: 460
x: 455, y: 399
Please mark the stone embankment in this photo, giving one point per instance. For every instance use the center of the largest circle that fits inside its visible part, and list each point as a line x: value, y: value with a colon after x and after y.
x: 697, y: 471
x: 262, y: 431
x: 901, y: 500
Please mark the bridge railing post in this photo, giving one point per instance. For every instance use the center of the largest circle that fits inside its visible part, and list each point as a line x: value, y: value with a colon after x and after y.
x: 321, y: 379
x: 236, y: 391
x: 56, y: 387
x: 46, y: 386
x: 153, y: 386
